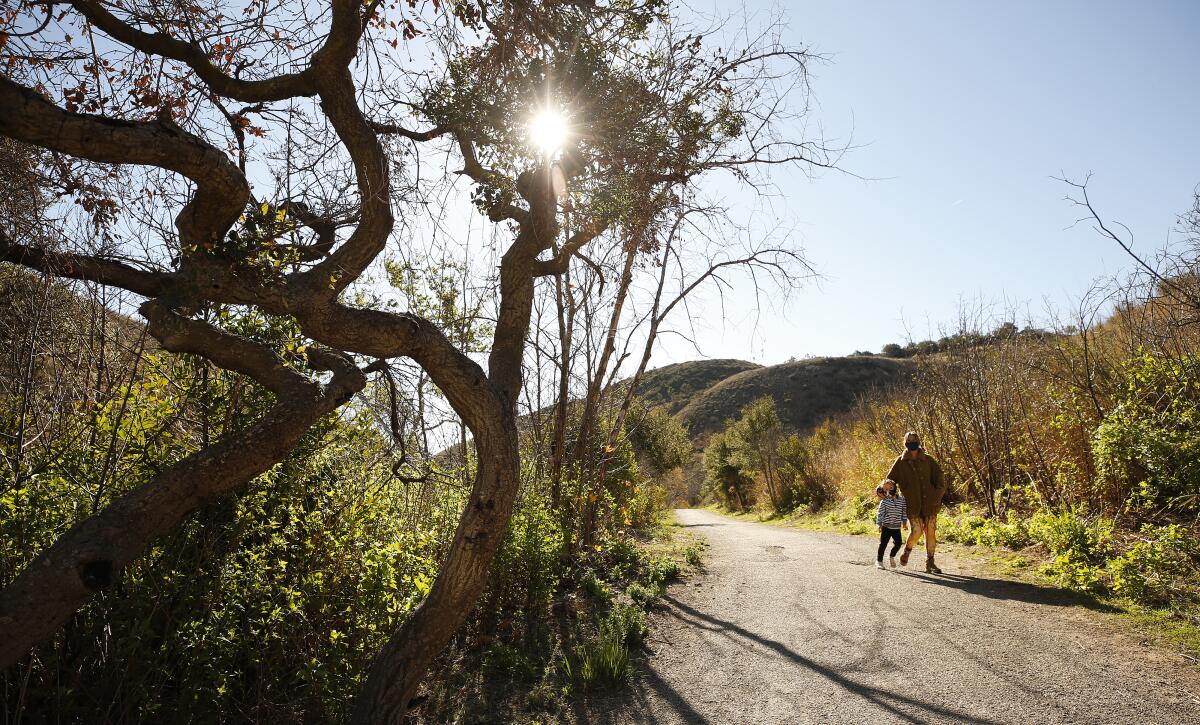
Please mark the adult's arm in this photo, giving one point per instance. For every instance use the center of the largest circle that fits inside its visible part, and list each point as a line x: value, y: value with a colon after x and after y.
x: 894, y: 471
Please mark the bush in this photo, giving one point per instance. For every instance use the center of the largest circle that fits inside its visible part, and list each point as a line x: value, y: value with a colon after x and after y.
x: 1150, y: 443
x: 1077, y: 544
x: 644, y: 594
x: 662, y: 570
x: 527, y: 570
x: 505, y: 661
x: 967, y: 527
x: 628, y: 623
x: 625, y: 556
x: 1156, y: 570
x: 1069, y: 532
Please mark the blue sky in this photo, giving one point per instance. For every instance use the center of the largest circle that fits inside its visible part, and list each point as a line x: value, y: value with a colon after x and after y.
x: 963, y: 112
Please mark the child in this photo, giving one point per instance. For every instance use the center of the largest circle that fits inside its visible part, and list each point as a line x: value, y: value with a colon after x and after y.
x: 890, y: 516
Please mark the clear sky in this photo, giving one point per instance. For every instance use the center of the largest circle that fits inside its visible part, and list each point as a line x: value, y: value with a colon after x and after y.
x: 963, y: 111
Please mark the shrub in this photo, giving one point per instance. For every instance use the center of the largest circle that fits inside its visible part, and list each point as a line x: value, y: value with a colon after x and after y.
x: 644, y: 594
x: 1150, y: 443
x: 1069, y: 532
x: 1157, y: 569
x: 1077, y: 544
x: 662, y: 570
x: 527, y: 569
x: 967, y: 527
x: 628, y: 623
x: 625, y: 556
x: 596, y: 588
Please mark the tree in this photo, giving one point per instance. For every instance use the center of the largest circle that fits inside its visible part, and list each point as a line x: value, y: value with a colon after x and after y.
x: 274, y: 137
x: 723, y: 476
x: 754, y: 439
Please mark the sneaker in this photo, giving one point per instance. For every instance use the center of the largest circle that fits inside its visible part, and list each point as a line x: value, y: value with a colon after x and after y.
x: 930, y: 567
x: 879, y: 565
x: 904, y: 557
x: 892, y: 561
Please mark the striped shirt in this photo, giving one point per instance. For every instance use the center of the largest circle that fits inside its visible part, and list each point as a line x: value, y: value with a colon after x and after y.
x: 891, y: 512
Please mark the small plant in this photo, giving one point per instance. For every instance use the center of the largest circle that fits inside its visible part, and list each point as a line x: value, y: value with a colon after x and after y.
x: 629, y: 623
x: 597, y: 588
x: 505, y: 661
x: 625, y: 556
x: 643, y: 594
x: 662, y: 570
x: 693, y: 554
x: 599, y: 662
x: 1071, y: 533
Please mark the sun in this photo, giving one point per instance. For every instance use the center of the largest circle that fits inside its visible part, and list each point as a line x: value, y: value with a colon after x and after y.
x: 548, y: 130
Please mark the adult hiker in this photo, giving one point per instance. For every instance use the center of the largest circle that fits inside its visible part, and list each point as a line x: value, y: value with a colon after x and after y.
x: 923, y: 485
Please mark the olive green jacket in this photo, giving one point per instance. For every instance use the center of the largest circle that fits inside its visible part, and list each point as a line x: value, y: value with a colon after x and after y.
x: 921, y: 482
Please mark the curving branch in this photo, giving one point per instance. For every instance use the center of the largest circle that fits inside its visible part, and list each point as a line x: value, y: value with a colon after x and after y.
x: 332, y: 275
x: 577, y: 241
x: 85, y: 267
x: 221, y: 189
x: 278, y: 88
x: 180, y: 334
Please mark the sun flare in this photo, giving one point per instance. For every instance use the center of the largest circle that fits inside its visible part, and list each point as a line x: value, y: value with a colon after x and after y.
x: 548, y: 130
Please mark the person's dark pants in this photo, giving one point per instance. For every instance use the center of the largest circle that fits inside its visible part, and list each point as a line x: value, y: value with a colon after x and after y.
x: 885, y: 535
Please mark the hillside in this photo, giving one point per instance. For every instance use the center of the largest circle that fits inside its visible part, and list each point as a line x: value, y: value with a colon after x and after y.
x: 674, y: 386
x: 806, y: 392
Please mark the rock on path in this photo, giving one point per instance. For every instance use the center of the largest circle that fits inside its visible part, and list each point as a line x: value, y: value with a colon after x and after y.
x: 789, y: 626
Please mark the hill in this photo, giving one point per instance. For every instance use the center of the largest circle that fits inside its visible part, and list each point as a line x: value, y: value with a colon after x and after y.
x: 674, y: 386
x: 806, y: 392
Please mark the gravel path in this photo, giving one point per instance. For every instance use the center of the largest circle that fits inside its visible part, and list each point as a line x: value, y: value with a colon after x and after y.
x: 789, y: 626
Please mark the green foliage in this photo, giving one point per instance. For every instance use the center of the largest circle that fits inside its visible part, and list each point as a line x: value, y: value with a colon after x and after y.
x: 596, y: 588
x: 527, y: 570
x: 658, y: 438
x: 968, y: 526
x: 600, y: 662
x: 1160, y: 569
x: 804, y: 482
x: 628, y: 623
x: 1072, y: 531
x: 1077, y: 542
x: 625, y: 556
x: 303, y: 574
x: 503, y: 661
x: 1151, y: 439
x: 662, y: 570
x: 723, y: 479
x: 754, y: 437
x: 644, y: 594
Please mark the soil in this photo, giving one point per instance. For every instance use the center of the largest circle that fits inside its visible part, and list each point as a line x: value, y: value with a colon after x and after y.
x: 789, y: 626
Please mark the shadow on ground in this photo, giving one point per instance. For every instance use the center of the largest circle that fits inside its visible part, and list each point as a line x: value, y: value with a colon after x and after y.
x: 631, y: 706
x: 1011, y: 590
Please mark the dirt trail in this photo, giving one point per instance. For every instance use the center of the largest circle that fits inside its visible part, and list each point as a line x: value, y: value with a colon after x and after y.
x: 792, y: 626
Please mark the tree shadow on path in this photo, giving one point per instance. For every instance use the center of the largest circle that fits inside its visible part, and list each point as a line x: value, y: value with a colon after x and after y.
x: 1008, y: 589
x: 886, y: 700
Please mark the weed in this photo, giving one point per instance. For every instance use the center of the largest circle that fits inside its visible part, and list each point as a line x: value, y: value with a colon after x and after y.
x: 596, y: 588
x: 644, y: 594
x: 599, y: 662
